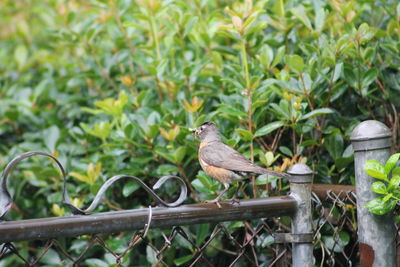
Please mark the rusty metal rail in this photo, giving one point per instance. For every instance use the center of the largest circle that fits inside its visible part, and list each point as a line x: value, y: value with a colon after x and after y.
x: 322, y: 190
x: 161, y: 217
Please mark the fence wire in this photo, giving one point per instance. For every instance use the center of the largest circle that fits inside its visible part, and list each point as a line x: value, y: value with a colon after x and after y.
x: 242, y: 243
x: 248, y: 243
x: 335, y: 228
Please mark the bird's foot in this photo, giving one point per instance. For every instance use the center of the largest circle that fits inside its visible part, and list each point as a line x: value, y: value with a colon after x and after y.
x: 216, y: 201
x: 234, y: 200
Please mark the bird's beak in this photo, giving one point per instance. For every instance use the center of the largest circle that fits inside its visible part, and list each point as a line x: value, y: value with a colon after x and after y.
x: 195, y: 131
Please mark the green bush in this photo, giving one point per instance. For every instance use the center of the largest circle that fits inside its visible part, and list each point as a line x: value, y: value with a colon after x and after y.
x: 113, y: 87
x: 388, y: 188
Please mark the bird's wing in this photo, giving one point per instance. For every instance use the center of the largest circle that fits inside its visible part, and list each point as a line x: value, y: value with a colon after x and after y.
x: 220, y: 155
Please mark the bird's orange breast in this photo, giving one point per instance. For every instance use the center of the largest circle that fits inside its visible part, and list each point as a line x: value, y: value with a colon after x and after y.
x: 202, y: 144
x: 221, y: 174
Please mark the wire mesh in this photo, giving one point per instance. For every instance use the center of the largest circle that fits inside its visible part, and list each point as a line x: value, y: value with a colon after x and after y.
x: 247, y: 243
x: 335, y: 228
x: 241, y: 243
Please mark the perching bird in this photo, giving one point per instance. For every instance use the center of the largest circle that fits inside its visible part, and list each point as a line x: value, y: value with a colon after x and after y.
x: 222, y: 162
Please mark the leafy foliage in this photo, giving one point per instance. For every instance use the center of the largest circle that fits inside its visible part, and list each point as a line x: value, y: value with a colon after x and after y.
x: 388, y: 189
x: 113, y: 87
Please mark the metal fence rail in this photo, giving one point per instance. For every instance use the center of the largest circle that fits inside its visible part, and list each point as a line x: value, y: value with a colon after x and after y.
x: 129, y: 220
x: 242, y: 244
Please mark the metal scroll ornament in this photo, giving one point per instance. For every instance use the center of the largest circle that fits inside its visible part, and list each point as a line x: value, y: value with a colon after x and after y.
x: 6, y: 200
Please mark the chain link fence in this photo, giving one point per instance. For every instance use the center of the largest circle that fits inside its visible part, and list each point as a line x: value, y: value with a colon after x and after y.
x: 335, y: 226
x: 247, y: 243
x: 237, y: 243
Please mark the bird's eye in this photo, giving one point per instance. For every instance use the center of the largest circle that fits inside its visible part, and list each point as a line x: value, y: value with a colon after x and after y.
x: 202, y: 128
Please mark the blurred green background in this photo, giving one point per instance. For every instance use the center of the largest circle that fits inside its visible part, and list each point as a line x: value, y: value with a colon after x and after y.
x: 113, y: 87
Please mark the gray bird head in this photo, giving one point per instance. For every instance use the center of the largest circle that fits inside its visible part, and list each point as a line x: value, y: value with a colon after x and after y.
x: 207, y: 132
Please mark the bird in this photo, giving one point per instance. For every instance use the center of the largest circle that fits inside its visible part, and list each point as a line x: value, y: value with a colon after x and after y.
x: 222, y: 162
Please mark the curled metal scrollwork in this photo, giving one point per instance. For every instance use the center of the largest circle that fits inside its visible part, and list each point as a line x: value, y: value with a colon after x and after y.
x: 6, y: 200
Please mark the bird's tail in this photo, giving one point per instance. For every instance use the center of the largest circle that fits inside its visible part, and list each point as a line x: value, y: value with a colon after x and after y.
x: 270, y: 172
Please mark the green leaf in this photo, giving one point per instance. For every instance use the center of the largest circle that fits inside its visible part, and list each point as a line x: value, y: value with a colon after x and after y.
x: 190, y: 24
x: 365, y: 33
x: 270, y: 127
x: 396, y: 171
x: 285, y: 150
x: 50, y: 257
x: 343, y: 162
x: 96, y: 263
x: 379, y: 187
x: 101, y: 130
x: 387, y: 197
x: 40, y: 89
x: 266, y: 56
x: 81, y: 177
x: 279, y: 55
x: 301, y: 14
x: 50, y: 137
x: 199, y: 186
x: 337, y: 242
x: 265, y: 179
x: 202, y: 233
x: 380, y: 206
x: 267, y: 241
x: 180, y: 241
x: 180, y: 153
x: 166, y: 155
x: 231, y: 111
x: 375, y: 169
x: 281, y: 112
x: 319, y: 20
x: 369, y: 77
x: 161, y: 67
x: 391, y: 162
x: 245, y: 135
x: 205, y: 182
x: 270, y: 158
x: 296, y: 63
x: 334, y: 144
x: 151, y: 255
x: 21, y: 55
x: 394, y: 183
x: 235, y: 84
x: 183, y: 260
x: 309, y: 143
x: 316, y: 112
x: 234, y: 225
x: 338, y: 71
x: 129, y: 188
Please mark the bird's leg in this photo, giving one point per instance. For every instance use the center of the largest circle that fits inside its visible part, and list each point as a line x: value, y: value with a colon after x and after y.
x: 216, y: 200
x: 234, y: 198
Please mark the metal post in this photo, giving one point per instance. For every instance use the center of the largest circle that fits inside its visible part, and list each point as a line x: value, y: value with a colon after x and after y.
x: 376, y: 233
x: 300, y: 187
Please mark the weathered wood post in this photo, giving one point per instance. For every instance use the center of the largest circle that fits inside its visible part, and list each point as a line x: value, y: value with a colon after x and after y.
x: 300, y: 189
x: 376, y: 233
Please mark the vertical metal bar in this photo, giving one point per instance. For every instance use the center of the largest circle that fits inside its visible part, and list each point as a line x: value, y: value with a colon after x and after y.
x: 376, y: 233
x: 300, y: 186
